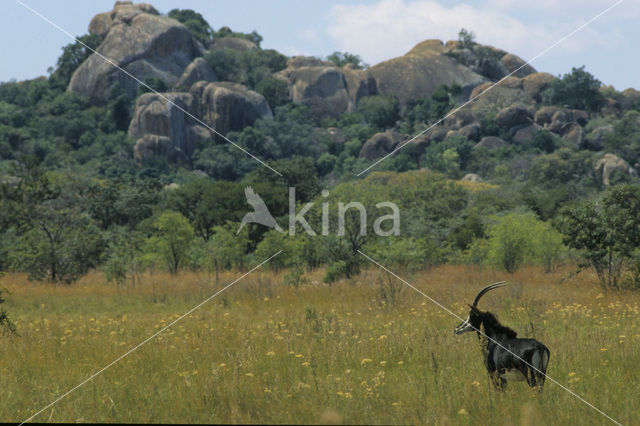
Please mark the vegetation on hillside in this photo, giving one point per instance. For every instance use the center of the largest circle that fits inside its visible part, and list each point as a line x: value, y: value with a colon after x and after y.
x: 71, y: 189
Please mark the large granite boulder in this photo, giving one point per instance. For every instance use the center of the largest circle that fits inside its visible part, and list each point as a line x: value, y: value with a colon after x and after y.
x: 534, y: 84
x: 573, y: 132
x: 380, y: 145
x: 471, y: 177
x: 524, y: 134
x: 419, y: 72
x: 490, y: 99
x: 516, y: 115
x: 327, y: 90
x: 359, y: 84
x: 470, y: 131
x: 555, y: 118
x: 596, y: 138
x: 140, y: 41
x: 155, y: 145
x: 156, y: 116
x: 198, y: 70
x: 227, y: 106
x: 321, y: 87
x: 181, y: 119
x: 102, y: 22
x: 516, y: 65
x: 609, y: 163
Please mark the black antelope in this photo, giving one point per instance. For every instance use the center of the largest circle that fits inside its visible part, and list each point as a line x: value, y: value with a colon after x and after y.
x: 504, y: 353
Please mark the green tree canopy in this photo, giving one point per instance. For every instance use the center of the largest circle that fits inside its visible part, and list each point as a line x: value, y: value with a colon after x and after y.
x: 577, y: 89
x: 605, y: 232
x: 195, y: 23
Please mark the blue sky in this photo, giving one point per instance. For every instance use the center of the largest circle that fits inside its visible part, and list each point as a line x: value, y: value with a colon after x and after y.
x: 375, y: 29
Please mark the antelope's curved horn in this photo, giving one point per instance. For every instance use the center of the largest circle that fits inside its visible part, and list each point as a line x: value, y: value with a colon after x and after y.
x: 486, y: 289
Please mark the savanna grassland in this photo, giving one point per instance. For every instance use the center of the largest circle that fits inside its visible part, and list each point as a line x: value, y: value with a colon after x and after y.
x: 362, y: 351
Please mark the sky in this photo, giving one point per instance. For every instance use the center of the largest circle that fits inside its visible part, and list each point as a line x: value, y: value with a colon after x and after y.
x: 376, y: 30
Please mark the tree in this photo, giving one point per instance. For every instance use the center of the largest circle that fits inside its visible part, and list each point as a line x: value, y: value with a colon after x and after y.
x: 172, y: 240
x: 208, y: 204
x: 123, y: 256
x: 274, y: 90
x: 53, y: 238
x: 466, y: 38
x: 605, y: 232
x: 226, y: 249
x: 341, y: 59
x: 73, y: 55
x: 195, y: 23
x: 379, y: 111
x: 577, y: 89
x: 61, y: 244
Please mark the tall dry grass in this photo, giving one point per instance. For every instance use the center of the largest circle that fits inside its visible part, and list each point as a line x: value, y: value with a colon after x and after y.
x: 363, y: 351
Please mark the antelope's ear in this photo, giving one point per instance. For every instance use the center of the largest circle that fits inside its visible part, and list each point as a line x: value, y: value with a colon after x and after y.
x: 474, y: 309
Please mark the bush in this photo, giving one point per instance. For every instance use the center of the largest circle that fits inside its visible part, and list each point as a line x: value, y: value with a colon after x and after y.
x: 515, y: 239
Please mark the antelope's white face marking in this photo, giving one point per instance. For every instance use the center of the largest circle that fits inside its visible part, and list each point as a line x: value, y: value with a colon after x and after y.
x: 464, y: 327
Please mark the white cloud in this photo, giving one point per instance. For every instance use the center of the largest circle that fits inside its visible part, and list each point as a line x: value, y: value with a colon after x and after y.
x: 390, y: 28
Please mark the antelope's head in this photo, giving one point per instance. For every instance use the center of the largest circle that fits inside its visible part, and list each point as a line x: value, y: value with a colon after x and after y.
x: 472, y: 323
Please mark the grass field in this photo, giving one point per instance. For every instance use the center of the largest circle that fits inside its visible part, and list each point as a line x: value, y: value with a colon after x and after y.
x: 360, y: 351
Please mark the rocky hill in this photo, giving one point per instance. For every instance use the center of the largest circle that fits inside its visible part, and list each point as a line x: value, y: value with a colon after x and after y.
x: 225, y: 82
x: 114, y: 148
x: 148, y: 46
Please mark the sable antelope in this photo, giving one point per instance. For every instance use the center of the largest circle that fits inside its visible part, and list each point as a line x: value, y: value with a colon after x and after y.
x: 504, y: 353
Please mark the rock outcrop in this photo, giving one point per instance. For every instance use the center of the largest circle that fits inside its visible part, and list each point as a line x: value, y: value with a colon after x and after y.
x: 419, y: 72
x: 471, y: 177
x: 198, y: 70
x: 534, y: 84
x: 229, y: 106
x: 150, y: 145
x: 327, y: 90
x: 573, y: 132
x: 608, y: 164
x: 596, y: 138
x: 470, y: 131
x: 516, y: 115
x: 140, y: 41
x: 524, y: 134
x: 223, y: 106
x: 380, y: 145
x: 514, y: 63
